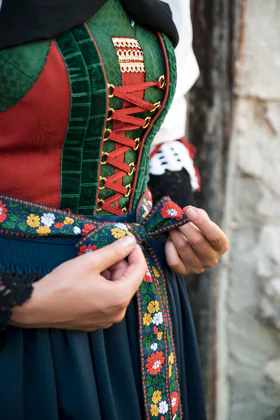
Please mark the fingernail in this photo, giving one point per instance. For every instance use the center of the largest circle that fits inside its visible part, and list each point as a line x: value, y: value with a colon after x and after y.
x: 192, y: 213
x: 128, y: 241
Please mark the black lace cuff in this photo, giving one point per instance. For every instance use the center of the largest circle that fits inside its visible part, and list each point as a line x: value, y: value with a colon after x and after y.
x: 15, y: 289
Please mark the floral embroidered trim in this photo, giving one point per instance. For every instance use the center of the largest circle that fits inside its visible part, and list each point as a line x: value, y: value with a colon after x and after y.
x: 158, y: 355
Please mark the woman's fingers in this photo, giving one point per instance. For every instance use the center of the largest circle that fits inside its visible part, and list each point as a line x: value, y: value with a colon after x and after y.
x: 185, y: 253
x: 214, y: 235
x: 173, y: 259
x: 204, y: 251
x: 118, y: 269
x: 134, y: 274
x: 106, y: 257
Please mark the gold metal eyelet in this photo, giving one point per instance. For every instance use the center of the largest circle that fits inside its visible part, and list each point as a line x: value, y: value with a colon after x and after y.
x: 157, y: 105
x: 162, y: 82
x: 108, y: 130
x: 124, y: 209
x: 103, y: 162
x: 128, y: 190
x: 110, y: 113
x: 133, y: 169
x: 110, y: 90
x: 137, y: 141
x: 102, y: 180
x: 99, y: 205
x: 148, y: 121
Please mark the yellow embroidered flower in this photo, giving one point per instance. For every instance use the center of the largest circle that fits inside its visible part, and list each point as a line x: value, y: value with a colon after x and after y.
x: 159, y: 335
x: 154, y: 410
x: 156, y: 273
x: 144, y: 215
x: 43, y: 230
x: 33, y: 221
x: 118, y: 233
x: 68, y: 221
x: 170, y: 370
x: 156, y: 397
x: 147, y: 319
x: 153, y: 306
x: 171, y: 359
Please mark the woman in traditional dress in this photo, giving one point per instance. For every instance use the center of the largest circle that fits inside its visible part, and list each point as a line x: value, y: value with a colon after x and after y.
x: 94, y: 312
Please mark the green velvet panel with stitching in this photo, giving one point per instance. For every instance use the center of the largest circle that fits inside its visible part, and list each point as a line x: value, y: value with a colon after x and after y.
x: 81, y: 150
x: 20, y: 67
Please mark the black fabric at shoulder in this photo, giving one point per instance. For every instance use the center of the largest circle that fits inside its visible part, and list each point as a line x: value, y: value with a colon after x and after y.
x: 23, y: 21
x: 153, y: 14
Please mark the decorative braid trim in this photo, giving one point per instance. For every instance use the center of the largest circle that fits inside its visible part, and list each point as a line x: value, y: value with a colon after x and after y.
x: 130, y: 55
x: 133, y: 55
x: 131, y: 67
x: 125, y: 42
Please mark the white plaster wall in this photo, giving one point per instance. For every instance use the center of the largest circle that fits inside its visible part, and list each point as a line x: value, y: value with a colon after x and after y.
x: 248, y: 386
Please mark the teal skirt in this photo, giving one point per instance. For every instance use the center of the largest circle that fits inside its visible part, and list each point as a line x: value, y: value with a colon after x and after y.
x: 49, y: 374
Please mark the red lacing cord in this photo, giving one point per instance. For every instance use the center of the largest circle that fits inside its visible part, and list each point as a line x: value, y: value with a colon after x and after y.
x: 124, y: 121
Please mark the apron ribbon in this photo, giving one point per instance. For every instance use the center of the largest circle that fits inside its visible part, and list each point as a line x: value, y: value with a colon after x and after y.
x: 160, y: 380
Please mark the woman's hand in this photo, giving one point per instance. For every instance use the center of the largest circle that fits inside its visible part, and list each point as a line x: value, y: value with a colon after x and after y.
x: 195, y: 246
x: 89, y: 292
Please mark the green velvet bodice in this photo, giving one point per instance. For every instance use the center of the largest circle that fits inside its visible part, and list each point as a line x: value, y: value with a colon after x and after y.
x: 91, y: 61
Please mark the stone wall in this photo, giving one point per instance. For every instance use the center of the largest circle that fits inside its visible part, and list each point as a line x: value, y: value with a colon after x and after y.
x: 249, y: 288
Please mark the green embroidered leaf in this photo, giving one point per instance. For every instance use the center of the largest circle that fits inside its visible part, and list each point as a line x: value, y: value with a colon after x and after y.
x: 148, y: 380
x: 150, y: 392
x: 22, y: 226
x: 147, y: 342
x: 13, y: 217
x: 8, y: 225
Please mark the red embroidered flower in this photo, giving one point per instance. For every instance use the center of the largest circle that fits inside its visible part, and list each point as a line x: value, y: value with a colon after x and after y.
x: 148, y: 277
x: 155, y: 330
x: 3, y: 212
x: 171, y: 210
x: 87, y: 228
x: 59, y: 225
x: 155, y: 362
x: 87, y: 248
x: 174, y: 398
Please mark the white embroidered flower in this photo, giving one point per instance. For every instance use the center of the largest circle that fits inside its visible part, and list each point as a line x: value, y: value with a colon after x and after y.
x: 172, y: 212
x: 163, y: 407
x: 145, y: 208
x: 173, y: 401
x: 154, y: 346
x: 157, y: 318
x: 77, y: 230
x: 157, y: 364
x: 121, y: 226
x: 48, y: 219
x: 1, y: 211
